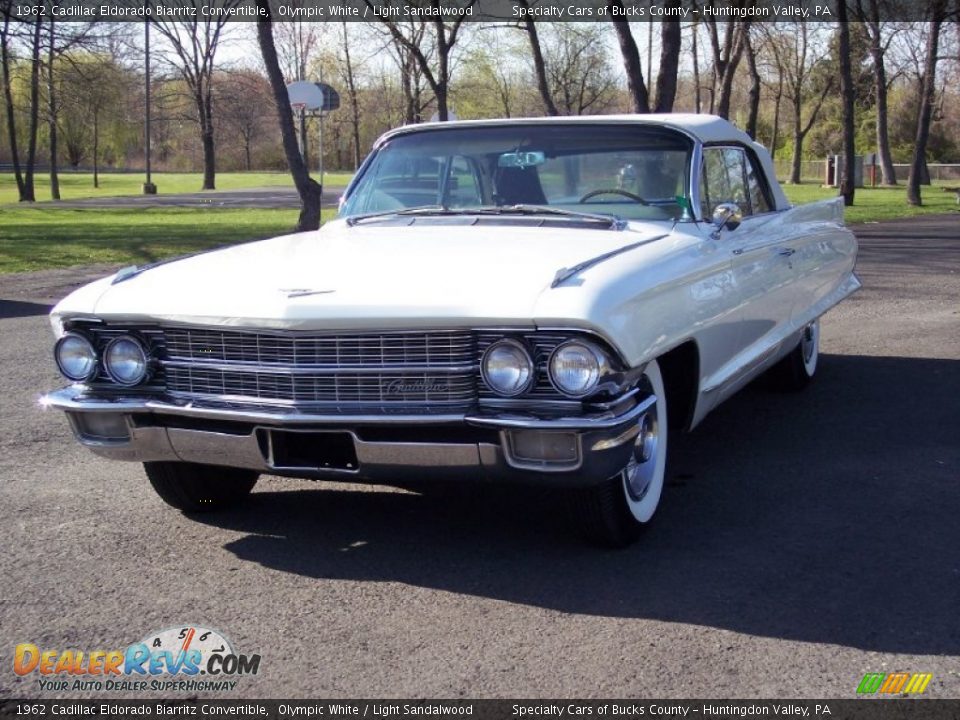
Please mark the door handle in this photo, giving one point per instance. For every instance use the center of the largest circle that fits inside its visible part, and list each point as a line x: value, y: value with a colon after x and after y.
x: 786, y: 252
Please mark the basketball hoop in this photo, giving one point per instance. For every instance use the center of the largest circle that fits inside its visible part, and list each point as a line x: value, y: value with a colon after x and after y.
x: 298, y: 106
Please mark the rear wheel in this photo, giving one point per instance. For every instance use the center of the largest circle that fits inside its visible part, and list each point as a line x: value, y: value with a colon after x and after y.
x: 797, y: 369
x: 192, y: 487
x: 616, y: 511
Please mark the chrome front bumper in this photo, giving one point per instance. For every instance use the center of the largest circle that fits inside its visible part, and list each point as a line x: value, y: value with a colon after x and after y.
x: 386, y: 448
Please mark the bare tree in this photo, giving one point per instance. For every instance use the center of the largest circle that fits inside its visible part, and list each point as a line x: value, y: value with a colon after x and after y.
x: 240, y: 98
x: 670, y: 42
x: 726, y: 58
x: 194, y: 44
x: 28, y: 194
x: 802, y: 68
x: 580, y: 77
x: 753, y: 100
x: 58, y: 45
x: 847, y: 92
x: 352, y: 97
x: 444, y: 38
x: 539, y: 66
x: 938, y: 15
x: 878, y: 48
x: 636, y: 85
x: 6, y: 42
x: 297, y: 43
x: 307, y: 187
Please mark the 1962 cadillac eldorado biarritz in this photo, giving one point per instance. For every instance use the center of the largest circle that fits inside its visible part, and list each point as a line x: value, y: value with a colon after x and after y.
x: 535, y: 301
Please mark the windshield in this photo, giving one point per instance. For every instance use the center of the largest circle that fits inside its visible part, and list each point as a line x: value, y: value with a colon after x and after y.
x: 627, y: 171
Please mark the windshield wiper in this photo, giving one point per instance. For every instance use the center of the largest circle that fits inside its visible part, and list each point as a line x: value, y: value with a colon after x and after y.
x: 528, y: 209
x: 520, y: 209
x: 419, y: 210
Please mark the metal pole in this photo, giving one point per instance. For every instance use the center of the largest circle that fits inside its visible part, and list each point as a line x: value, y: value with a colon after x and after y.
x: 320, y: 150
x: 303, y: 136
x: 148, y: 187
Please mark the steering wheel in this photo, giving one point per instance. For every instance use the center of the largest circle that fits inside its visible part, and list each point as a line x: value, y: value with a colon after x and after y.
x: 614, y: 191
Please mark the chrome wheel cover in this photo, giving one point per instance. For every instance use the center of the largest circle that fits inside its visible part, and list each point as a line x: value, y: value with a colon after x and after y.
x: 810, y: 347
x: 642, y: 466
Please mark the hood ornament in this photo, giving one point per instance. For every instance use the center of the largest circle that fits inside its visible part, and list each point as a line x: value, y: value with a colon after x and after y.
x: 303, y: 292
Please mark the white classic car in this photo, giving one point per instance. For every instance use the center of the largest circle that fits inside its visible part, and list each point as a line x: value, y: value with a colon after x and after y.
x: 523, y: 300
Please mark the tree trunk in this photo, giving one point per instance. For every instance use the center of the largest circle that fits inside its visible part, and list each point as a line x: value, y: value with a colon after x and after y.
x: 918, y: 165
x: 888, y: 173
x: 8, y: 103
x: 206, y: 131
x: 96, y: 147
x: 737, y: 41
x: 797, y: 146
x: 354, y: 104
x: 307, y: 187
x: 406, y: 81
x: 696, y: 70
x: 753, y: 99
x: 631, y: 59
x: 776, y: 120
x: 52, y: 119
x: 539, y: 66
x: 847, y: 94
x: 28, y: 194
x: 669, y: 63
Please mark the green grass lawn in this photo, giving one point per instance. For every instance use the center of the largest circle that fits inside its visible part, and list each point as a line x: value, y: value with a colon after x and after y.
x: 44, y: 236
x: 36, y: 238
x: 880, y: 203
x: 74, y: 186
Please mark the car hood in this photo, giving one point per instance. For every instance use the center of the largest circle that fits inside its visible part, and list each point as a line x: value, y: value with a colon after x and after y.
x: 428, y: 274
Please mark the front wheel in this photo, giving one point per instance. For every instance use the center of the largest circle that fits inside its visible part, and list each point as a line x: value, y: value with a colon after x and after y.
x: 616, y: 511
x: 192, y: 487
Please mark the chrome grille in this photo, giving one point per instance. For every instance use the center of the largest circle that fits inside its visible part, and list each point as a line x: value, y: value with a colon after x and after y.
x: 437, y: 349
x: 331, y: 372
x: 334, y: 389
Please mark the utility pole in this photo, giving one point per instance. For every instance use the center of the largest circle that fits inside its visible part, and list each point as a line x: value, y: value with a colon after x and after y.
x: 148, y: 187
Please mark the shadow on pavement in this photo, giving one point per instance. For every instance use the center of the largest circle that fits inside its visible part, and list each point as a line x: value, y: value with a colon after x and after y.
x: 829, y: 517
x: 18, y: 308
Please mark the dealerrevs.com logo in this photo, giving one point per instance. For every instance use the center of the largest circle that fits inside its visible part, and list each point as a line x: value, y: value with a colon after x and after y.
x: 185, y: 658
x: 894, y: 683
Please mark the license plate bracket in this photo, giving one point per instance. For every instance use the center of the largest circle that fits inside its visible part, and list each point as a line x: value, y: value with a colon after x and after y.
x: 309, y: 450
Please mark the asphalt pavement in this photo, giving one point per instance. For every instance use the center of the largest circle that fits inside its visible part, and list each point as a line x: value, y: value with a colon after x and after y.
x: 803, y: 540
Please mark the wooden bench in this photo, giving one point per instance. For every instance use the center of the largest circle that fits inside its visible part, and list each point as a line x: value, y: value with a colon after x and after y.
x: 955, y: 190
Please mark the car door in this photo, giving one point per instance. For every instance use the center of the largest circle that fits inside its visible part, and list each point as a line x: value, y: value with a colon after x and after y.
x: 761, y: 260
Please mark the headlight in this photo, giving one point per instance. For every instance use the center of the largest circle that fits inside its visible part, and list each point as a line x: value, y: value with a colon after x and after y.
x: 507, y: 368
x: 126, y: 360
x: 575, y: 368
x: 76, y: 357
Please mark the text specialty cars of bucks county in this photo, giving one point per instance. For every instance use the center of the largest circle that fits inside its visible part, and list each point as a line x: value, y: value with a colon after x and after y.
x: 528, y: 301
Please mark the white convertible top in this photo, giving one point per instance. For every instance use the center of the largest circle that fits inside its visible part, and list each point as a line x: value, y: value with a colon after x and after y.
x: 706, y: 129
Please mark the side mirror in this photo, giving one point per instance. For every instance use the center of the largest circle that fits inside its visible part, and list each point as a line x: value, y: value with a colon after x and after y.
x: 726, y: 215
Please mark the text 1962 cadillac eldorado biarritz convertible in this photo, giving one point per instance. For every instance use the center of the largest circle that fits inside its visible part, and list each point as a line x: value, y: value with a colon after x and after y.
x: 536, y: 301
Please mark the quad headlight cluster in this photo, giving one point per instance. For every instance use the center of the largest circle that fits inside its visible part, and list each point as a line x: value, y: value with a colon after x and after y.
x: 125, y: 359
x: 575, y: 368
